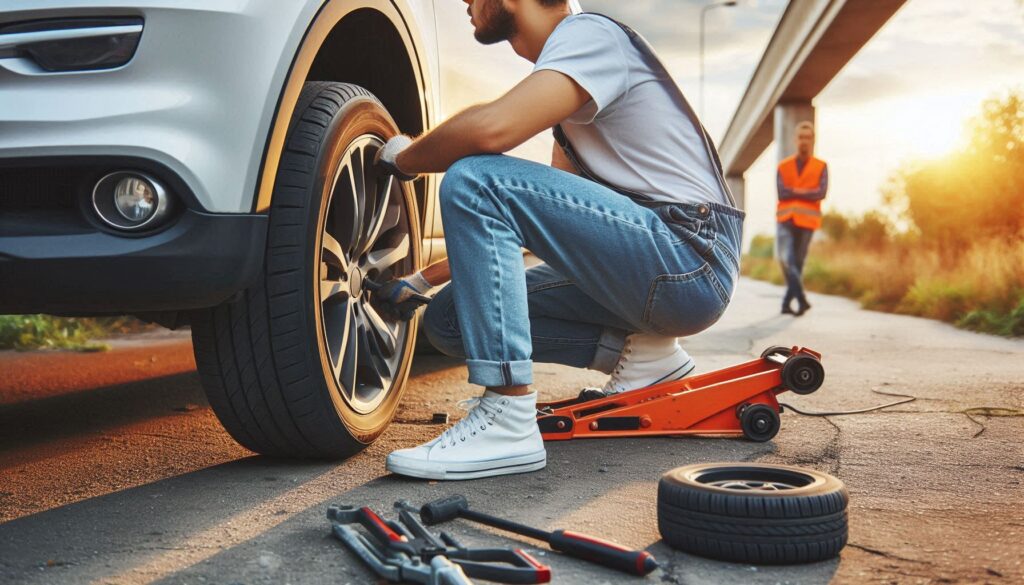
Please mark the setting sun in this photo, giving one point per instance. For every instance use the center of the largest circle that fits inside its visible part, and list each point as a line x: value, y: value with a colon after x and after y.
x: 933, y: 126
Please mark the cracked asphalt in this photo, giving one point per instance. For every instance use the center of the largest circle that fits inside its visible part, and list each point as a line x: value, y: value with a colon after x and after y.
x: 114, y: 470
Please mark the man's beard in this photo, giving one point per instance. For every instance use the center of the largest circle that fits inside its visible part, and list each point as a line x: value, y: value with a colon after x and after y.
x: 496, y: 23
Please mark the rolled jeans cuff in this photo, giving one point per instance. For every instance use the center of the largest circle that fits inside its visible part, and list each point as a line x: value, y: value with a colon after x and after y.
x: 609, y: 348
x: 493, y: 374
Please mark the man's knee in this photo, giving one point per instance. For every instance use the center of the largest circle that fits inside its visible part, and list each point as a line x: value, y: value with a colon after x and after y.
x: 462, y: 177
x: 439, y: 324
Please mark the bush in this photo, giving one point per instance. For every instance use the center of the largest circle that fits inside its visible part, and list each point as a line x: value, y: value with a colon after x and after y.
x: 762, y: 246
x: 979, y: 288
x: 23, y: 332
x: 871, y: 230
x: 995, y: 322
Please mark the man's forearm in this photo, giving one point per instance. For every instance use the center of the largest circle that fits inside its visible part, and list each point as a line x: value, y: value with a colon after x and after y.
x: 466, y: 133
x: 437, y: 273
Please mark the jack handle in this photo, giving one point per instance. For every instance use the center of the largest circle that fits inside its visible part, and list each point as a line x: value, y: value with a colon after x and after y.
x: 603, y: 552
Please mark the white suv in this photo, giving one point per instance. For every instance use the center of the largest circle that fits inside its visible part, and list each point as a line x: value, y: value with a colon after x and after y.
x: 210, y: 162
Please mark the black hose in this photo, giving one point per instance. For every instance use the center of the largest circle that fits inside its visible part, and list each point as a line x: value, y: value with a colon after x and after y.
x: 906, y: 398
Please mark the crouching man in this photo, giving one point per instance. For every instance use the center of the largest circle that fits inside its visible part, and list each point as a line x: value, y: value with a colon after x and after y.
x: 633, y: 221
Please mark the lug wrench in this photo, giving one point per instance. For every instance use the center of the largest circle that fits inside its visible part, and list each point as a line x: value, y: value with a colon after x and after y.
x: 581, y: 546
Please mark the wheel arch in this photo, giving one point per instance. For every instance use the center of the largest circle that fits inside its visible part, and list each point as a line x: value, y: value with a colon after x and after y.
x: 371, y: 43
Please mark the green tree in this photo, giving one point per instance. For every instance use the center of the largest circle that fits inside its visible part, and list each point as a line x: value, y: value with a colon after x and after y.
x: 975, y: 192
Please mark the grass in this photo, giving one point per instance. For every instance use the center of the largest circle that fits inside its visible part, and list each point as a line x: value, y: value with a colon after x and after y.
x: 25, y: 332
x: 978, y: 287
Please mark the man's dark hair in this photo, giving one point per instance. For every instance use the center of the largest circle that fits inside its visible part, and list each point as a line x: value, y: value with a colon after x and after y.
x: 552, y: 2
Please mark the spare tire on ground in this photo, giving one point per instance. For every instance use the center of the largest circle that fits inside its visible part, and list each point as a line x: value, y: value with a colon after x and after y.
x: 753, y: 513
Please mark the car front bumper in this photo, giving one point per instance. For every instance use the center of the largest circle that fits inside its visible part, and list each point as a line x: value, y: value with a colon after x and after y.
x: 199, y: 261
x: 198, y: 97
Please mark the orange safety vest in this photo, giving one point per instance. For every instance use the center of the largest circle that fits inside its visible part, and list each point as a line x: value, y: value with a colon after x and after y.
x: 805, y: 214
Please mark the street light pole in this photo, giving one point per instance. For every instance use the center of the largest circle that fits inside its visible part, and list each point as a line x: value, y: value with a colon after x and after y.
x: 703, y: 14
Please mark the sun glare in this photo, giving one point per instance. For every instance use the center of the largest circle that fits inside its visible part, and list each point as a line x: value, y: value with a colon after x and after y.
x: 933, y: 126
x: 936, y: 140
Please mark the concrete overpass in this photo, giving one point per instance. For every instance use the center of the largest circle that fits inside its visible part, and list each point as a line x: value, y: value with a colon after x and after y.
x: 812, y: 43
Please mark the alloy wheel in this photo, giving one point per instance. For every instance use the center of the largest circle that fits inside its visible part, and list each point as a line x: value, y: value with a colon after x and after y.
x: 365, y: 236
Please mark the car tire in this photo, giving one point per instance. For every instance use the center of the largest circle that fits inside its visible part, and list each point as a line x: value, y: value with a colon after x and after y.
x: 301, y: 364
x: 753, y: 513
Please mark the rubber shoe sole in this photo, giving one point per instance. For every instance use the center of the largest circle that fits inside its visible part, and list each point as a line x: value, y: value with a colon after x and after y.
x: 472, y: 470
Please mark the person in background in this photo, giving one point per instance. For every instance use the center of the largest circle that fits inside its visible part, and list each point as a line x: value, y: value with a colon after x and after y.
x: 802, y: 182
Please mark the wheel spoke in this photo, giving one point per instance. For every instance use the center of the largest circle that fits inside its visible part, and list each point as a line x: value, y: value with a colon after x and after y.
x: 345, y: 367
x: 383, y: 259
x: 374, y: 369
x: 357, y: 185
x: 344, y: 210
x: 329, y: 288
x: 376, y: 221
x: 391, y: 217
x: 386, y: 336
x: 332, y: 254
x: 337, y: 324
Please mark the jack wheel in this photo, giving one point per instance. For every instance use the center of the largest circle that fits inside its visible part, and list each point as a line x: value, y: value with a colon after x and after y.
x: 803, y: 374
x: 777, y: 349
x: 759, y: 422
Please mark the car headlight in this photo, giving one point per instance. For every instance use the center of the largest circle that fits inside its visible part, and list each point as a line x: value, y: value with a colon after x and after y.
x: 73, y: 44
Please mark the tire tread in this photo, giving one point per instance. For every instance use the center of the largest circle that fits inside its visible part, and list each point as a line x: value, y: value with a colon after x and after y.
x: 749, y: 528
x: 247, y: 350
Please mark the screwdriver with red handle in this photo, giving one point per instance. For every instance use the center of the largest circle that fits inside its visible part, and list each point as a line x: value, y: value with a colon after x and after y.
x: 582, y: 546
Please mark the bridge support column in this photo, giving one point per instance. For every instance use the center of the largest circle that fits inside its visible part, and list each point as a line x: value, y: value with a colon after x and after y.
x: 738, y: 187
x: 787, y: 116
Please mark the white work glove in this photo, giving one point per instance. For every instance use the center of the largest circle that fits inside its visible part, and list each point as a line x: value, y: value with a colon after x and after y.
x: 399, y: 299
x: 407, y: 287
x: 387, y: 157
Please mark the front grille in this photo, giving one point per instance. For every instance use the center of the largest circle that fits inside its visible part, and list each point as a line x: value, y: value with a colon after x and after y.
x: 36, y: 188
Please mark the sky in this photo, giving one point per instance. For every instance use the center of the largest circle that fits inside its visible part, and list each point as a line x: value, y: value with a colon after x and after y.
x: 906, y: 95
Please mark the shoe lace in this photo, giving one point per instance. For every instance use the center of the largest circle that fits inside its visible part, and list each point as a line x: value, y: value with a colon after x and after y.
x: 615, y: 382
x: 479, y: 418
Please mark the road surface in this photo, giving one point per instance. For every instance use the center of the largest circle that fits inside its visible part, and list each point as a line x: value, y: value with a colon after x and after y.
x: 114, y: 470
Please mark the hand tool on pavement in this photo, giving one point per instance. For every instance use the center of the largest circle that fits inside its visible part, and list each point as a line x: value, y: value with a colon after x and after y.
x: 406, y: 552
x: 738, y: 400
x: 581, y: 546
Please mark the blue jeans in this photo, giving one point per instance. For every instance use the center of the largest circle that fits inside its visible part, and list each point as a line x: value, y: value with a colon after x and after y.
x: 612, y: 267
x: 792, y: 244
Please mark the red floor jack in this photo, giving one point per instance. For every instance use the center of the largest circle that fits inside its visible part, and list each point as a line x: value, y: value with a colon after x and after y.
x: 739, y: 400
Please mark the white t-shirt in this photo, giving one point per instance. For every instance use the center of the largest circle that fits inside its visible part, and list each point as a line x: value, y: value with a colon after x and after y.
x: 631, y: 134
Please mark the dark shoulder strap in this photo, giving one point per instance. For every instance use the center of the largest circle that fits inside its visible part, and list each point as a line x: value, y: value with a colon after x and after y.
x: 648, y: 52
x: 570, y: 153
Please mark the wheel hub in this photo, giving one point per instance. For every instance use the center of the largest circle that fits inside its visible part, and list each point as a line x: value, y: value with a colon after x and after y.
x: 355, y: 282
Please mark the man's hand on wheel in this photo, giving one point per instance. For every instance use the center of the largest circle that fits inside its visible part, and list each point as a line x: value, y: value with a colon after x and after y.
x: 387, y: 157
x: 398, y: 299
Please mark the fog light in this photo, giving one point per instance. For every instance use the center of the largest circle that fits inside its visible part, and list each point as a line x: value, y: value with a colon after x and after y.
x: 135, y: 199
x: 130, y: 200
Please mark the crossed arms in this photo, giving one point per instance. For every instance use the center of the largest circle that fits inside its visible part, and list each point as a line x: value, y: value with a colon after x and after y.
x: 787, y: 194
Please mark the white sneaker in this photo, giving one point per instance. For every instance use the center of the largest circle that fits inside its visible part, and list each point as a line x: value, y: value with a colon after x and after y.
x: 646, y: 360
x: 498, y: 436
